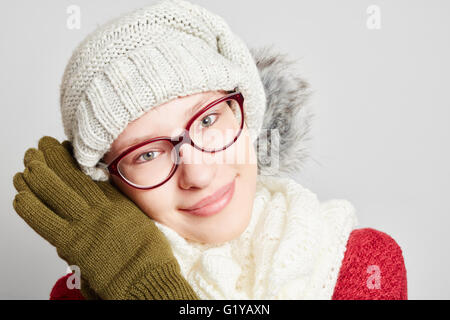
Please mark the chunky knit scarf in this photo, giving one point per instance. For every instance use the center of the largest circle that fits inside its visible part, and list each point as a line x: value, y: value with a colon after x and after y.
x: 292, y: 248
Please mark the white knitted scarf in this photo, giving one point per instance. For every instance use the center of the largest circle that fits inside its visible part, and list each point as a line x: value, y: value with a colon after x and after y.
x: 292, y: 248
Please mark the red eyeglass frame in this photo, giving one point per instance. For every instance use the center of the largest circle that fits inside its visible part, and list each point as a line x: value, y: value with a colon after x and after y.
x: 177, y: 141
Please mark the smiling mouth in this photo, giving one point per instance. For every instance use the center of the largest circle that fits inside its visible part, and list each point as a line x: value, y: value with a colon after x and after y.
x: 214, y: 203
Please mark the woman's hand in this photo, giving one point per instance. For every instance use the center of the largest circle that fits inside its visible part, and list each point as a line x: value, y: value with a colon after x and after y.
x: 119, y: 250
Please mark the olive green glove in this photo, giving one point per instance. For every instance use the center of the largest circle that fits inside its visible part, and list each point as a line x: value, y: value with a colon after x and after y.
x: 119, y: 250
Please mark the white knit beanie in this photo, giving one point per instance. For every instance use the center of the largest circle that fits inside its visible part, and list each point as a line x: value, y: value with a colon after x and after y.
x: 146, y: 58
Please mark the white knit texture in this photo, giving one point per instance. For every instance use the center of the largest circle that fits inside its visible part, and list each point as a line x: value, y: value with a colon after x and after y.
x: 292, y: 248
x: 146, y: 58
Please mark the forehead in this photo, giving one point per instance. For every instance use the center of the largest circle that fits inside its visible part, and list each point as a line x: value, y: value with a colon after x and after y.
x: 166, y: 115
x: 181, y: 104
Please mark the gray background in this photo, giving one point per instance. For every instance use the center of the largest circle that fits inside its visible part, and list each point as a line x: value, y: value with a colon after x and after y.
x: 380, y: 134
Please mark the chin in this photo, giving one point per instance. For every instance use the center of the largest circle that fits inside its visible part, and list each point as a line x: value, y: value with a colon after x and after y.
x: 222, y: 234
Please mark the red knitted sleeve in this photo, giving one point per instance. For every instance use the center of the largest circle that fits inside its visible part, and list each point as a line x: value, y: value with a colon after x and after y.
x: 60, y: 291
x: 372, y: 269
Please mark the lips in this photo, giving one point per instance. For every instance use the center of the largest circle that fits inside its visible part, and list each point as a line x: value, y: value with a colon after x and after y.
x: 213, y: 203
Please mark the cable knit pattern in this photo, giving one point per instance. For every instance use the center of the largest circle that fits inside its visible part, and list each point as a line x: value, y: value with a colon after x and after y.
x: 144, y: 59
x: 292, y: 248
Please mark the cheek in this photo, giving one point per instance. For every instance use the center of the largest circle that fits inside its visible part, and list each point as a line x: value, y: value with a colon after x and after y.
x: 242, y: 153
x: 152, y: 204
x: 249, y: 153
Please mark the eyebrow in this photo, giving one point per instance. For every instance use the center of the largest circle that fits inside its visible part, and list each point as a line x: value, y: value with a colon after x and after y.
x: 190, y: 112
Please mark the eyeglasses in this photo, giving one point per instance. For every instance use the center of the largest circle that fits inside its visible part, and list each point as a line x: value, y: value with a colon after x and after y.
x: 153, y: 162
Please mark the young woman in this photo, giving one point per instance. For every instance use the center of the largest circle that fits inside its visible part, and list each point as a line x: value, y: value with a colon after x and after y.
x: 175, y: 181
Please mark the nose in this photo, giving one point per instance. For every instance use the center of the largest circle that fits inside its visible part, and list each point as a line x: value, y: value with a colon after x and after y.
x: 194, y: 172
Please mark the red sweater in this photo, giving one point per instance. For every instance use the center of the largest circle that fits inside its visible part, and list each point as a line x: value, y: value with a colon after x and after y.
x: 372, y: 269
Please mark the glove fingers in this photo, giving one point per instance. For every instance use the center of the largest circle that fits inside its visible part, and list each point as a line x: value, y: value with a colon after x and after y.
x: 40, y: 218
x: 19, y: 182
x: 54, y: 192
x: 59, y: 158
x: 69, y: 147
x: 33, y: 154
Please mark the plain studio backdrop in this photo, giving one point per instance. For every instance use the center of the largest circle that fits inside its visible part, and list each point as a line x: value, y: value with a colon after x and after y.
x: 380, y: 74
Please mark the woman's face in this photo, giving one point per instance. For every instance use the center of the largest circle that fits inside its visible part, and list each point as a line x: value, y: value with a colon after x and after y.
x: 194, y: 179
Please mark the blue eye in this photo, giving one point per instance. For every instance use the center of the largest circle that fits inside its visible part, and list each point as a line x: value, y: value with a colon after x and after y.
x: 208, y: 121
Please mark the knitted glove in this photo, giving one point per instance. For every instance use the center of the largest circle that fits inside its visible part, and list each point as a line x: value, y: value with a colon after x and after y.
x: 119, y: 250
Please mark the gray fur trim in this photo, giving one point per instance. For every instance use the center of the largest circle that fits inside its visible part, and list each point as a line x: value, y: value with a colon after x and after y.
x: 287, y: 110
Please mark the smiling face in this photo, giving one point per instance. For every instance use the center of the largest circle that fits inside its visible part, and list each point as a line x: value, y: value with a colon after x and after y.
x: 229, y: 176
